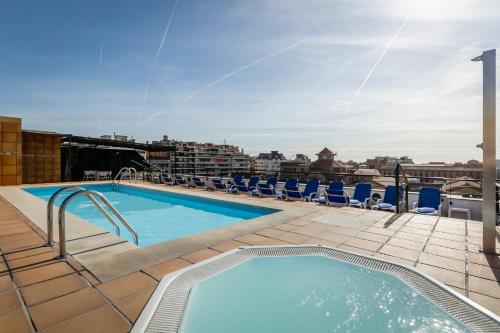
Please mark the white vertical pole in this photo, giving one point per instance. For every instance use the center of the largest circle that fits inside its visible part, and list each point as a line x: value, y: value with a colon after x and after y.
x: 489, y: 150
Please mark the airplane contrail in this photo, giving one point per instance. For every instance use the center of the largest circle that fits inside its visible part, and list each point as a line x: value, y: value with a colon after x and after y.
x: 98, y: 101
x: 370, y: 72
x: 155, y: 59
x: 242, y: 68
x: 225, y: 76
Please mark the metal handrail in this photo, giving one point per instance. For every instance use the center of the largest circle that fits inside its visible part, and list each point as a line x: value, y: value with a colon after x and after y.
x: 135, y: 173
x: 151, y: 165
x: 119, y: 176
x: 399, y: 169
x: 62, y: 219
x: 50, y: 205
x: 119, y: 173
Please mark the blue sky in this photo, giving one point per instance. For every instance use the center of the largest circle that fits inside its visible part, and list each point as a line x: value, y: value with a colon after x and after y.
x: 362, y: 77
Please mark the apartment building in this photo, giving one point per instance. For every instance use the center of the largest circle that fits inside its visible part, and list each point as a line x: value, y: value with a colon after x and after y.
x: 382, y: 161
x: 161, y: 159
x: 269, y: 163
x: 117, y: 137
x: 201, y: 158
x: 298, y: 167
x: 472, y: 169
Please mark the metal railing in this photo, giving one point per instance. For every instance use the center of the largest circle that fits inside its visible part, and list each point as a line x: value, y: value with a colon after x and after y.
x: 121, y: 174
x: 50, y: 205
x: 149, y: 165
x: 62, y: 219
x: 398, y: 172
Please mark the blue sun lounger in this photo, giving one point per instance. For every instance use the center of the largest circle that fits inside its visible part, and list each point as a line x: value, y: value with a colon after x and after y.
x: 360, y: 198
x: 335, y: 188
x: 290, y: 185
x: 309, y: 193
x: 252, y: 184
x: 429, y: 202
x: 267, y: 189
x: 337, y: 199
x: 168, y: 180
x: 199, y: 183
x: 389, y: 201
x: 180, y: 181
x: 361, y: 195
x: 238, y: 180
x: 219, y: 185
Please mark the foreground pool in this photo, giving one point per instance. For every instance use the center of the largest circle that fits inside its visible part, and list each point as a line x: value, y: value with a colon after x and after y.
x: 309, y: 294
x: 312, y: 289
x: 156, y: 216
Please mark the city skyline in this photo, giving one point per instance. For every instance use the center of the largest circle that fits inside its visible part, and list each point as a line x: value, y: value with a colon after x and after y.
x: 120, y: 137
x: 365, y: 78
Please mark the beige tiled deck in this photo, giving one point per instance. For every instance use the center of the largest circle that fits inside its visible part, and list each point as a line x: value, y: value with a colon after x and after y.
x: 41, y: 293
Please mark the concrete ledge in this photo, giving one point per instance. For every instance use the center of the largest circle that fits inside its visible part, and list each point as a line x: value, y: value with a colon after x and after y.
x: 93, y: 242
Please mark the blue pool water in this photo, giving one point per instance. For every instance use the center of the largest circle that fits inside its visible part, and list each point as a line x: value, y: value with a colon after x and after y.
x: 157, y: 216
x: 300, y: 294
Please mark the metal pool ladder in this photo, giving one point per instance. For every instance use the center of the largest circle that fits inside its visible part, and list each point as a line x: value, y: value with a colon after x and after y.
x: 120, y: 175
x: 79, y: 191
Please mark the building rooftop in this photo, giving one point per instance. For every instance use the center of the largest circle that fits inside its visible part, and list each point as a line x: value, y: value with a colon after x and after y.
x: 326, y: 151
x: 327, y: 164
x: 367, y: 172
x: 462, y: 183
x: 273, y: 155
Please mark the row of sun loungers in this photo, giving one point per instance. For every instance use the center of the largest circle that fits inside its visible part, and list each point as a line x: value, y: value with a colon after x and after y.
x: 429, y: 199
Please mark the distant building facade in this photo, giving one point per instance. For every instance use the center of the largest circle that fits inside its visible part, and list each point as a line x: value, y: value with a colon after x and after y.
x: 117, y: 137
x: 386, y: 161
x: 269, y: 163
x: 326, y: 168
x: 365, y: 175
x: 202, y: 158
x: 161, y: 159
x: 298, y: 167
x: 472, y: 169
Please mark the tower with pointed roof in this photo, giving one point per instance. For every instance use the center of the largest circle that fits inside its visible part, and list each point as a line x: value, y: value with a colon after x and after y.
x: 325, y: 166
x: 326, y: 154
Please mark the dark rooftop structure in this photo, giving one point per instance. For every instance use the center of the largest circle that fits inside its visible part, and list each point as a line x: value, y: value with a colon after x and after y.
x: 116, y: 143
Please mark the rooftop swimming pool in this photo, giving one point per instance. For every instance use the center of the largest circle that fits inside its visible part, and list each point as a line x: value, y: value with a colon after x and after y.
x: 156, y: 216
x: 297, y: 289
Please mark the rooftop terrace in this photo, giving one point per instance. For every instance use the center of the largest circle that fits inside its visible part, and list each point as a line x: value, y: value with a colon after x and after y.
x: 39, y: 293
